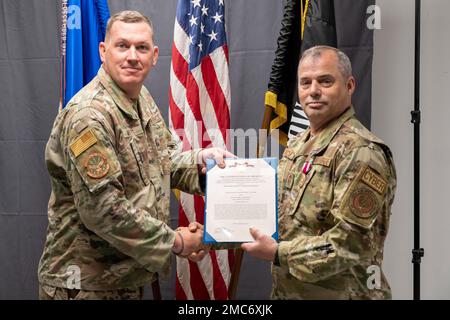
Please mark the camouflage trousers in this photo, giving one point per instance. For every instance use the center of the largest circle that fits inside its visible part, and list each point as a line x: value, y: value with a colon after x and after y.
x: 54, y: 293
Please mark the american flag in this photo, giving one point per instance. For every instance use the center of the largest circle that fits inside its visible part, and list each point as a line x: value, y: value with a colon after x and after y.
x: 199, y: 99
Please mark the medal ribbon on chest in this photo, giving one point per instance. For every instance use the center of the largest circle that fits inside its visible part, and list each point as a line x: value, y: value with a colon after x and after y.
x: 307, y: 166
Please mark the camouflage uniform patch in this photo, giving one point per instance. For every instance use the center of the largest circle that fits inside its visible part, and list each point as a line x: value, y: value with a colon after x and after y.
x: 363, y: 203
x: 83, y: 143
x: 374, y: 180
x: 96, y: 165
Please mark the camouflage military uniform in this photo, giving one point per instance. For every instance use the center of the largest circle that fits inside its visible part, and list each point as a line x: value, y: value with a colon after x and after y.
x: 111, y: 163
x: 335, y: 197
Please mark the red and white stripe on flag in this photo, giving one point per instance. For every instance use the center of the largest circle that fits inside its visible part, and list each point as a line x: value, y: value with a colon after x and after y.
x: 199, y: 114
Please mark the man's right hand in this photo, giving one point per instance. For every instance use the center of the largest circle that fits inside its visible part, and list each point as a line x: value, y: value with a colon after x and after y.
x: 192, y: 240
x: 200, y: 254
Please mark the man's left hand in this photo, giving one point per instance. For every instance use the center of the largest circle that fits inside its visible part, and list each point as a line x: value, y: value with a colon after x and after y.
x: 213, y: 153
x: 264, y: 246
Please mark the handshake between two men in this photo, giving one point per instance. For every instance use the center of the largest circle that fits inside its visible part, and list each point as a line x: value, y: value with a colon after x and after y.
x: 189, y: 240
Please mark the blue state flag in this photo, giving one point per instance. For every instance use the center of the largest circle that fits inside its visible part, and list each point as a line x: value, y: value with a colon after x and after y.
x: 84, y: 27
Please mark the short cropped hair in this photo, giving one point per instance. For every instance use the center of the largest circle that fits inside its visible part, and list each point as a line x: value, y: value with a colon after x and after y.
x: 128, y: 16
x: 344, y: 64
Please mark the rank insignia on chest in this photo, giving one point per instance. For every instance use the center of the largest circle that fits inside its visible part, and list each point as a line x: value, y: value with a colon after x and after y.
x: 288, y: 153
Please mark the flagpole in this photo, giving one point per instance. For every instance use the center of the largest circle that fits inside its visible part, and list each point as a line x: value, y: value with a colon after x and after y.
x: 232, y: 289
x: 417, y: 252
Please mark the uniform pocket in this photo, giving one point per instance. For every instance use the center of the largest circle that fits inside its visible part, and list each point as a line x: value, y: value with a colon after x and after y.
x: 92, y: 161
x: 299, y: 190
x: 140, y: 161
x: 133, y: 171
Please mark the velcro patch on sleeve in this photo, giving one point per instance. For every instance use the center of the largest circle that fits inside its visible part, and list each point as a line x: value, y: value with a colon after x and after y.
x: 362, y: 202
x: 87, y: 140
x: 80, y: 126
x: 374, y: 180
x: 96, y: 165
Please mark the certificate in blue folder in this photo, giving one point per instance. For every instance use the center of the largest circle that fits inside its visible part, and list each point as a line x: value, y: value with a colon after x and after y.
x: 242, y: 195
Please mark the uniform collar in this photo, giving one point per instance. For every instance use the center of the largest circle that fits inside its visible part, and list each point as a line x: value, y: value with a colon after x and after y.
x: 124, y: 103
x: 327, y: 134
x: 323, y: 139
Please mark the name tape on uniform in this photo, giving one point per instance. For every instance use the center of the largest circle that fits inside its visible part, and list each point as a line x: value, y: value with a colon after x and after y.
x: 374, y: 180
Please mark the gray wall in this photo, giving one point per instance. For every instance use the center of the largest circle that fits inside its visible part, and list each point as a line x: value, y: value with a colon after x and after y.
x: 392, y: 101
x: 29, y: 90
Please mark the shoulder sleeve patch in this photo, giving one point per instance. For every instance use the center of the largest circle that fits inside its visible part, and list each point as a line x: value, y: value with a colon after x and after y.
x: 94, y: 159
x: 96, y: 165
x: 363, y: 199
x: 323, y: 161
x: 363, y: 203
x: 374, y: 180
x: 87, y: 140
